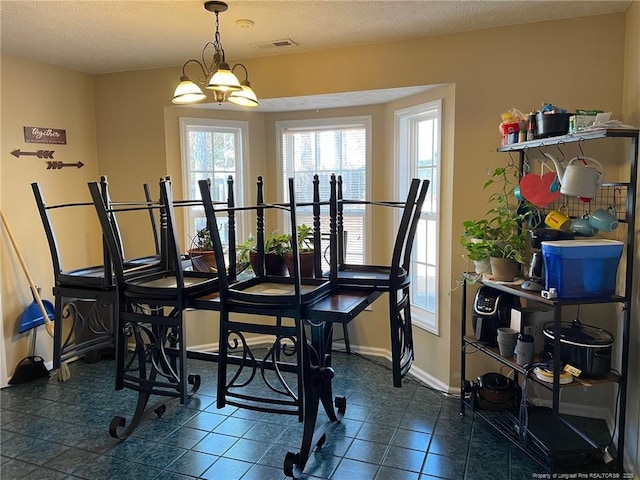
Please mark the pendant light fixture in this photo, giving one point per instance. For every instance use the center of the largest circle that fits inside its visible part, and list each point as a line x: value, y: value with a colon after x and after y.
x: 217, y: 75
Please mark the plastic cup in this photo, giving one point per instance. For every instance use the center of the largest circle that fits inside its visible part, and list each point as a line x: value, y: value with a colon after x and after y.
x: 507, y: 338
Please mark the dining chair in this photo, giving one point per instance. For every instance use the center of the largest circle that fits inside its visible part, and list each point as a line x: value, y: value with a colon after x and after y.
x: 151, y: 300
x: 83, y: 296
x: 395, y: 278
x: 273, y: 351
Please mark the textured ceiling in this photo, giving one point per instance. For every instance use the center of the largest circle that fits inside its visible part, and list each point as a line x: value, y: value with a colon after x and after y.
x: 105, y: 36
x: 102, y: 36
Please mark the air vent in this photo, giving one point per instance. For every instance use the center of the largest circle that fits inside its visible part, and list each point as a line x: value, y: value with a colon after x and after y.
x: 284, y: 42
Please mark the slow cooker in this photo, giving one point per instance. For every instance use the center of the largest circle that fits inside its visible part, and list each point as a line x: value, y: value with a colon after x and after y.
x: 582, y: 346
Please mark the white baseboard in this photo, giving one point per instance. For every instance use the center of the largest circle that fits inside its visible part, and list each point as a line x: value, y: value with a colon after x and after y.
x: 419, y: 374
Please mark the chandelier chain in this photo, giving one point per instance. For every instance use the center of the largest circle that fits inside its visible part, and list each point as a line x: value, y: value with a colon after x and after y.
x: 217, y: 44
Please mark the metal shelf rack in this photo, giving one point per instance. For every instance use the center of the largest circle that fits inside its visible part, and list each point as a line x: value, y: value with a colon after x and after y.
x: 553, y: 456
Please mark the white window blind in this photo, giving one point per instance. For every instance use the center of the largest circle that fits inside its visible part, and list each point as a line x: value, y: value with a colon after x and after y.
x: 324, y: 147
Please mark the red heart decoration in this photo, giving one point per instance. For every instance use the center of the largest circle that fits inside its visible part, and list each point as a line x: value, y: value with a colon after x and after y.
x: 537, y: 189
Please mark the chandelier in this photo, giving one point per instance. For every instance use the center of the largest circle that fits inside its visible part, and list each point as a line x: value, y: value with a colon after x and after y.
x: 216, y: 74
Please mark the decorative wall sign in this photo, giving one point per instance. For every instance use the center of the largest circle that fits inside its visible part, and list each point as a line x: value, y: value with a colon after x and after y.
x: 39, y: 153
x: 45, y: 135
x: 59, y: 165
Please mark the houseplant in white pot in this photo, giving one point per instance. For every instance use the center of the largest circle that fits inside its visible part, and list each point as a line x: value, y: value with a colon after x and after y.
x: 475, y: 240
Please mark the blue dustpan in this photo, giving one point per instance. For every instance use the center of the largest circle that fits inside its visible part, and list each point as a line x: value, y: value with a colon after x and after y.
x: 32, y: 316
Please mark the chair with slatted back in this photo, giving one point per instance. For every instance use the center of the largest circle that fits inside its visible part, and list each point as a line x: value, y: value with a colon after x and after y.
x: 394, y: 278
x: 283, y: 362
x: 84, y: 297
x: 151, y: 300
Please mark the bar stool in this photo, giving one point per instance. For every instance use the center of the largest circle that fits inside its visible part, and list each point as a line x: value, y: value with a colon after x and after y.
x: 394, y: 279
x: 151, y: 300
x: 293, y: 368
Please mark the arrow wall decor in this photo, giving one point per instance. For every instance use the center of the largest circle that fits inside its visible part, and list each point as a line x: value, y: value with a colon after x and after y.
x: 59, y: 165
x: 40, y: 153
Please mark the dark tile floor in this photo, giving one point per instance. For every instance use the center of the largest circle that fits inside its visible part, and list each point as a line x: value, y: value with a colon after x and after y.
x: 52, y: 430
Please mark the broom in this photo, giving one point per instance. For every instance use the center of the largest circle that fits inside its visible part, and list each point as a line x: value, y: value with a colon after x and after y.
x: 63, y: 374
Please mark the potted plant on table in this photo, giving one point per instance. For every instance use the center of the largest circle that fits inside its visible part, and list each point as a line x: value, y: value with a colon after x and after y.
x: 304, y: 239
x: 275, y: 245
x: 501, y: 235
x: 201, y: 252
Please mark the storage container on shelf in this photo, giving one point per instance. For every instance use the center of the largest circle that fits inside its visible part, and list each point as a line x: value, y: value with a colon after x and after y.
x: 581, y: 268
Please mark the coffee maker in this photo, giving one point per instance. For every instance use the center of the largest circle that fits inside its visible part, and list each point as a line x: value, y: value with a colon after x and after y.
x: 535, y: 272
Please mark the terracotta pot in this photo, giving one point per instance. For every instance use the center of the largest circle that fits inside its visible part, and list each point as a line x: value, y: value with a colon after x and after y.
x: 503, y: 269
x: 306, y: 264
x: 203, y: 260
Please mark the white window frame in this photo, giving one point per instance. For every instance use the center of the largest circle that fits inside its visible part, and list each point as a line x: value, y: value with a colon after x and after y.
x: 405, y: 124
x: 328, y: 123
x: 241, y: 128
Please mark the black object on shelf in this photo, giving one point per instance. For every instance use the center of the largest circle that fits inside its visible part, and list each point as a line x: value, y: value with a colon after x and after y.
x: 491, y: 310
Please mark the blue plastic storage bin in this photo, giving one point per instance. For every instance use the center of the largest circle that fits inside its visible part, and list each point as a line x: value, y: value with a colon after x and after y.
x: 581, y: 268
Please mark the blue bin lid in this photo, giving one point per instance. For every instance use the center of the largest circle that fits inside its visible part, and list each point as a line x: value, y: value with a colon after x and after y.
x: 595, y: 248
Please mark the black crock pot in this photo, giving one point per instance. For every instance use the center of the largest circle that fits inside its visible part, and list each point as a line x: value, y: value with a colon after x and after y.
x: 583, y: 346
x: 551, y: 124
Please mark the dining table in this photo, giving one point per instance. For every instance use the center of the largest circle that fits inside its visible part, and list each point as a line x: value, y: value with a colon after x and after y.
x: 339, y: 306
x: 299, y: 332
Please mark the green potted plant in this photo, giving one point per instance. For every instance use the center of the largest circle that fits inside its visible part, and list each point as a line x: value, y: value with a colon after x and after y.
x: 501, y: 235
x: 203, y: 258
x: 304, y: 239
x: 275, y: 246
x: 244, y: 249
x: 474, y: 239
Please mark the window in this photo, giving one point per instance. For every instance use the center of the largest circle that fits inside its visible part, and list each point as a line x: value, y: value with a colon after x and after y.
x: 419, y: 139
x: 211, y: 149
x: 326, y: 146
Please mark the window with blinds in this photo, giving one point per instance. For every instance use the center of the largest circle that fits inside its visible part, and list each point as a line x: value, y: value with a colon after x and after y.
x: 323, y: 147
x: 211, y: 149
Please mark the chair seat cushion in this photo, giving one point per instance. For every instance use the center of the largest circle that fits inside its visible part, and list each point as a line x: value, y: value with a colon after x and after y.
x: 163, y: 285
x: 276, y: 291
x: 373, y: 276
x: 84, y: 277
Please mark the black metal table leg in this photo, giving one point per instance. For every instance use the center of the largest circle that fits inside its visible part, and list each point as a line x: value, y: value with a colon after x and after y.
x: 317, y: 389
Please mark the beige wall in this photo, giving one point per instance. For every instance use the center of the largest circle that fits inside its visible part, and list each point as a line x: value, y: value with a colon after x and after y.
x: 136, y: 128
x: 488, y: 80
x: 35, y: 94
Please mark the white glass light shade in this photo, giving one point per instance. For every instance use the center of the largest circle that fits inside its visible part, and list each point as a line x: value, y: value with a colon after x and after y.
x: 245, y: 97
x: 187, y: 92
x: 224, y: 80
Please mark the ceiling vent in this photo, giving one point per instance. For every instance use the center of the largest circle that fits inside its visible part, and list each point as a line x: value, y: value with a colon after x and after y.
x: 284, y: 42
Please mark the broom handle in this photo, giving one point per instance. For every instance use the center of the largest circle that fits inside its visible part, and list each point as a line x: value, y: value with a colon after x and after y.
x: 34, y: 289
